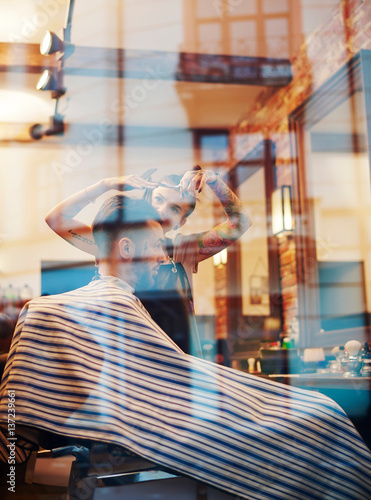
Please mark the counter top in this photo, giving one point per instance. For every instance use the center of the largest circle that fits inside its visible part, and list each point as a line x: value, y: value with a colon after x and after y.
x: 322, y: 380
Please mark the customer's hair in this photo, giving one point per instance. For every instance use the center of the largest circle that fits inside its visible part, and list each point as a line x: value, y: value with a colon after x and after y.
x: 121, y: 216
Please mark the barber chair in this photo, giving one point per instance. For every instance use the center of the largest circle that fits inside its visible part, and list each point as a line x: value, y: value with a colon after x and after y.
x: 97, y: 471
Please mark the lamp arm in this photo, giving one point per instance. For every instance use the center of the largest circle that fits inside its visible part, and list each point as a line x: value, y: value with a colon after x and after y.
x: 68, y: 23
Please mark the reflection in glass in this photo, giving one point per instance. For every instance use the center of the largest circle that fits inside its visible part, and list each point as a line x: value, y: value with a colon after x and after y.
x: 338, y: 176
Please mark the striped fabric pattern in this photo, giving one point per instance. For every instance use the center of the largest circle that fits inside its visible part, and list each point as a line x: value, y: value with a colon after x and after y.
x: 92, y: 364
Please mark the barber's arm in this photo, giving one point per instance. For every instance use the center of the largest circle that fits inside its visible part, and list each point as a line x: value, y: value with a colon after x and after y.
x: 236, y: 223
x: 62, y: 218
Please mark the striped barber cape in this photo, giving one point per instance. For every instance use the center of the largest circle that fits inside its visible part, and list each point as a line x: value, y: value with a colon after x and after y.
x: 92, y: 364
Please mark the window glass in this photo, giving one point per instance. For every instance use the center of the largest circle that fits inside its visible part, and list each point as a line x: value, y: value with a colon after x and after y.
x: 206, y: 9
x: 241, y: 7
x: 210, y: 37
x: 275, y: 6
x: 162, y: 85
x: 214, y: 148
x: 277, y: 41
x: 243, y: 38
x: 338, y: 174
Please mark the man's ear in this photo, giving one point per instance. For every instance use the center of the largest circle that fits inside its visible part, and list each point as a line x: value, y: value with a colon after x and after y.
x: 126, y: 248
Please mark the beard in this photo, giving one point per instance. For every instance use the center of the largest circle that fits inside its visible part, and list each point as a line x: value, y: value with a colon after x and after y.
x: 145, y: 277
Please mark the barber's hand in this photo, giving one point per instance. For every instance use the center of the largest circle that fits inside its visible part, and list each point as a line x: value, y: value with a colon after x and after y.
x: 193, y: 181
x: 129, y: 182
x: 196, y: 179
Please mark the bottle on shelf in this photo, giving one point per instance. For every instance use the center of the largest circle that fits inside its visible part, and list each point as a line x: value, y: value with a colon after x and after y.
x: 366, y: 361
x: 10, y: 297
x: 352, y: 363
x: 287, y: 343
x: 340, y: 355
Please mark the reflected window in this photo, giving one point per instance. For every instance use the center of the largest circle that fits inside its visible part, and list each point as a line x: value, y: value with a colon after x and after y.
x: 334, y: 267
x: 338, y: 177
x: 214, y: 148
x: 243, y: 37
x: 204, y: 9
x: 277, y: 41
x: 209, y: 36
x: 275, y: 6
x: 241, y: 8
x: 259, y: 28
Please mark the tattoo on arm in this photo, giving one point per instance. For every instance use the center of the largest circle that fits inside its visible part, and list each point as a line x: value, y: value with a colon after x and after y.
x: 231, y: 204
x: 231, y: 229
x: 218, y: 238
x: 81, y: 237
x: 211, y: 243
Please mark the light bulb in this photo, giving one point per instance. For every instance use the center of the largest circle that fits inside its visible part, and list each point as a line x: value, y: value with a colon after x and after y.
x: 44, y: 80
x: 46, y: 43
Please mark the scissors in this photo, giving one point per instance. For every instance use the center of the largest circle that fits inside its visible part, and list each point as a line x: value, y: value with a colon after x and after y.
x: 147, y: 175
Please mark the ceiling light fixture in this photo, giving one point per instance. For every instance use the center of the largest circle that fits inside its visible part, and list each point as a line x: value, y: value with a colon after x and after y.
x: 50, y: 80
x: 51, y: 43
x: 56, y: 127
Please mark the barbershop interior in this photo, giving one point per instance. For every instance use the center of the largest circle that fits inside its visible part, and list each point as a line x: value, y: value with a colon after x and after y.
x: 271, y: 97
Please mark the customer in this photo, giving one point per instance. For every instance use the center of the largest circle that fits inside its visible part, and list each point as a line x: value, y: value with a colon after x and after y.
x: 92, y: 364
x: 170, y: 300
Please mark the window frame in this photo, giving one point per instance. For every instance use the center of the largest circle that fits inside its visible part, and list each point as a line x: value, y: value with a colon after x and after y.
x: 344, y: 83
